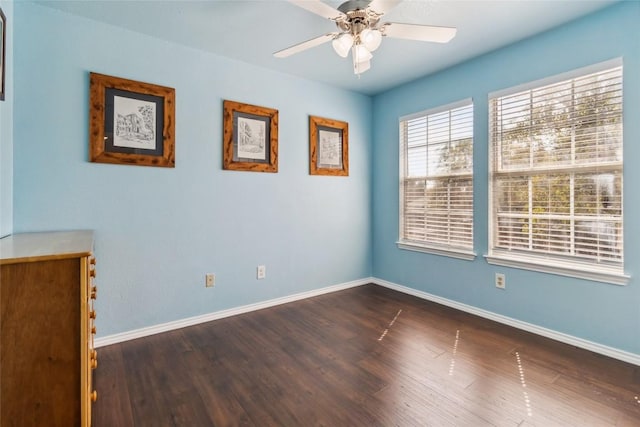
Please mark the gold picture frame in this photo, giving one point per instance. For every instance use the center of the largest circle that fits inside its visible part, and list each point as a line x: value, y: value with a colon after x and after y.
x: 328, y: 147
x: 131, y: 122
x: 250, y: 139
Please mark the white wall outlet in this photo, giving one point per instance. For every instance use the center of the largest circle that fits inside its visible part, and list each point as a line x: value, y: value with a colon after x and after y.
x: 501, y: 282
x: 262, y: 271
x: 209, y: 280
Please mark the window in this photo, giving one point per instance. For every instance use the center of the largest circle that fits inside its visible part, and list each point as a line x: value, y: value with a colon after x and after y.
x: 556, y: 175
x: 436, y: 181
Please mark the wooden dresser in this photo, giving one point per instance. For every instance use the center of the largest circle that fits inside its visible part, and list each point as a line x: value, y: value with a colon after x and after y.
x: 47, y: 323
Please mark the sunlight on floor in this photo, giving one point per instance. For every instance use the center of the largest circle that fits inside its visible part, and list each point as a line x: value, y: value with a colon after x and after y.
x: 390, y: 325
x: 455, y: 350
x: 524, y: 385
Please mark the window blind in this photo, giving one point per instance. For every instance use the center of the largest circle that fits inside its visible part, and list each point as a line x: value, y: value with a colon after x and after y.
x: 556, y: 171
x: 436, y: 194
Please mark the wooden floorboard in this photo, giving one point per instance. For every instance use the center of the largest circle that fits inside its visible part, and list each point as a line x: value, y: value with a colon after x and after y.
x: 366, y: 356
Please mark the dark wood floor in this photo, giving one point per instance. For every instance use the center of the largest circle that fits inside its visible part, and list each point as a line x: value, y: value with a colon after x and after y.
x: 366, y: 356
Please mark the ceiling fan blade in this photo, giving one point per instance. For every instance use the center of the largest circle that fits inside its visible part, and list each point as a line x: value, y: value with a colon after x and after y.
x: 305, y: 45
x: 383, y: 6
x: 425, y: 33
x: 319, y: 8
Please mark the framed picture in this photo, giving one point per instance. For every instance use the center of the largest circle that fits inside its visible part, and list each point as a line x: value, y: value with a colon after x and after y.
x: 328, y: 147
x: 250, y: 138
x: 3, y: 46
x: 130, y: 122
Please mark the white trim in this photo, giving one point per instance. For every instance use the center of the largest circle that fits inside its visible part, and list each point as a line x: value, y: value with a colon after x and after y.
x: 549, y: 333
x: 568, y: 75
x: 615, y: 353
x: 595, y: 272
x: 450, y: 252
x: 190, y: 321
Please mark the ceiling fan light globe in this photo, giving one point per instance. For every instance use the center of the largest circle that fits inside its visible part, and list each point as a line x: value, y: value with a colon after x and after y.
x: 371, y: 39
x: 361, y: 53
x: 361, y: 67
x: 342, y: 44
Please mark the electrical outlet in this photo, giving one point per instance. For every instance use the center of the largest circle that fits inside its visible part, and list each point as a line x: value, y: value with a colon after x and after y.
x: 262, y: 271
x: 209, y: 280
x: 501, y: 282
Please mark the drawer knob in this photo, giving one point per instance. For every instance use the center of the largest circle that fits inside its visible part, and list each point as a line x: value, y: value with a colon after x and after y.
x: 92, y: 314
x: 94, y: 396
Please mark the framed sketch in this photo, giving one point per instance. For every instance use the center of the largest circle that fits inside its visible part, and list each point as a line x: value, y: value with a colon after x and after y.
x: 130, y: 122
x: 328, y: 147
x: 250, y: 138
x: 3, y: 46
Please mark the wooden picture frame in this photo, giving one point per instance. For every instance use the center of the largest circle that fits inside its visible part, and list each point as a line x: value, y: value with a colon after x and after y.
x: 328, y: 147
x: 250, y: 139
x: 130, y: 122
x: 3, y: 46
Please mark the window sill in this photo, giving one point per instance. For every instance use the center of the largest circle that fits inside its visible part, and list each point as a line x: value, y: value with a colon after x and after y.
x: 438, y: 250
x: 545, y: 265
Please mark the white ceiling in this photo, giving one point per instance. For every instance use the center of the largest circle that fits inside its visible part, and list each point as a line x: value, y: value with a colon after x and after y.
x: 250, y: 31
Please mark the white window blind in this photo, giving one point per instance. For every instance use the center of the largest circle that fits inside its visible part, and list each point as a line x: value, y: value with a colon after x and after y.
x: 556, y: 174
x: 436, y: 182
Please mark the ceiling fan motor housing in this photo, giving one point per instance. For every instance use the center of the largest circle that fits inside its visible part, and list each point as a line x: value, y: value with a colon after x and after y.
x: 358, y: 17
x: 352, y: 5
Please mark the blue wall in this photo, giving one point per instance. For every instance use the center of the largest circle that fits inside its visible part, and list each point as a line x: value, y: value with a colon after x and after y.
x: 6, y: 130
x: 158, y: 231
x: 603, y: 313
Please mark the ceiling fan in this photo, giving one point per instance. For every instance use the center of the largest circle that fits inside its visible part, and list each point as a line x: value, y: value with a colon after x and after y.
x: 360, y: 30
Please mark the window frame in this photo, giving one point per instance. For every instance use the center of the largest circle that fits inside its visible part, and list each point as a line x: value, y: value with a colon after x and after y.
x: 459, y: 252
x: 569, y: 265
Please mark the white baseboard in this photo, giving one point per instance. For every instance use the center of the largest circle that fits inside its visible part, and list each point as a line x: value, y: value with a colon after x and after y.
x: 529, y: 327
x: 177, y: 324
